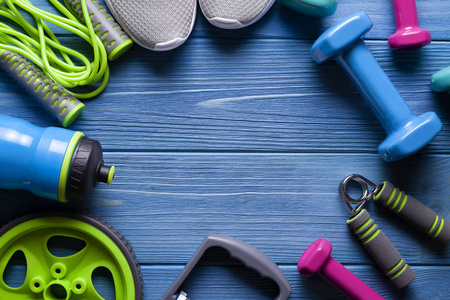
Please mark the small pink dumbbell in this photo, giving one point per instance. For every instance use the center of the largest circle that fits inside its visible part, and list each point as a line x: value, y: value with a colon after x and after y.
x: 317, y: 259
x: 409, y: 35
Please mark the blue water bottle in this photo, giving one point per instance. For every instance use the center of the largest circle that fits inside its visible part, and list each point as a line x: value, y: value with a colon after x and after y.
x: 53, y: 163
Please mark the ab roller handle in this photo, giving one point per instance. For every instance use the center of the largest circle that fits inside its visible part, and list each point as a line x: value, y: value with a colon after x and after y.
x: 414, y: 212
x: 116, y: 41
x: 54, y: 98
x: 250, y: 256
x: 381, y: 249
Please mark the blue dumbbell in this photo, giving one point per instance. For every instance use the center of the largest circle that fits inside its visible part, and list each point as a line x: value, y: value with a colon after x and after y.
x: 406, y: 132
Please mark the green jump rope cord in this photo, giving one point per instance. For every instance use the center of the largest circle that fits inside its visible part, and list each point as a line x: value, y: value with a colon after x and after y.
x: 40, y: 45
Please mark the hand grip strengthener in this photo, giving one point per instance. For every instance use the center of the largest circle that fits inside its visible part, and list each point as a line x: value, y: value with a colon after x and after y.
x: 405, y: 206
x: 374, y: 240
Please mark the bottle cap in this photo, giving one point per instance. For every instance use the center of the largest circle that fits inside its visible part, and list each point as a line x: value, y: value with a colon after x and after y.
x: 87, y: 170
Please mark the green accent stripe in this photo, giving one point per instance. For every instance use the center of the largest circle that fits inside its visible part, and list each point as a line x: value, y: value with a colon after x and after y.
x: 399, y: 272
x: 355, y: 216
x: 395, y: 267
x: 402, y: 204
x: 388, y: 201
x: 383, y: 185
x: 439, y: 229
x: 362, y: 226
x: 73, y: 115
x: 374, y: 235
x: 111, y: 174
x: 120, y: 50
x: 66, y: 165
x: 366, y: 232
x: 434, y: 225
x: 396, y: 200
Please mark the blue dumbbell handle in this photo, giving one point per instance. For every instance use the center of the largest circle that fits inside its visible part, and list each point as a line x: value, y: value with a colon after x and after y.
x: 376, y: 87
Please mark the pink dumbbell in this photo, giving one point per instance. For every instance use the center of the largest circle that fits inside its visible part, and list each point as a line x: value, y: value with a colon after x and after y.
x: 317, y: 259
x: 409, y: 35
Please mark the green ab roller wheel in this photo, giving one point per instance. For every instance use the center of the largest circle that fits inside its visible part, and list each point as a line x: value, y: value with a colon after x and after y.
x: 51, y: 277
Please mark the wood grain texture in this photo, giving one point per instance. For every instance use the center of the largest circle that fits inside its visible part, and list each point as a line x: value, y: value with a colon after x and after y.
x: 166, y: 204
x: 241, y: 133
x: 253, y: 95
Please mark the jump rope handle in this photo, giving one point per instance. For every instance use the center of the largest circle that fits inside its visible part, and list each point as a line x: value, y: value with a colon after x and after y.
x: 414, y: 212
x: 54, y: 98
x: 116, y: 41
x: 381, y: 249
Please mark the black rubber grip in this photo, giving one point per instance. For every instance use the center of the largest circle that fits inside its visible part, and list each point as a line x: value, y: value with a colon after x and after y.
x: 414, y: 212
x: 381, y: 249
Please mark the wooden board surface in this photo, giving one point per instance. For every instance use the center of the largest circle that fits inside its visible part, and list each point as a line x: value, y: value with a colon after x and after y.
x: 241, y: 133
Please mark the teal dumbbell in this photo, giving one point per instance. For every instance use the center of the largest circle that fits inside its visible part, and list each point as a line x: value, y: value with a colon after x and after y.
x: 314, y: 8
x: 440, y: 81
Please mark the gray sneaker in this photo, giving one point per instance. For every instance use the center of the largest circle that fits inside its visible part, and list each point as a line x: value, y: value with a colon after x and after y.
x: 233, y: 14
x: 158, y: 25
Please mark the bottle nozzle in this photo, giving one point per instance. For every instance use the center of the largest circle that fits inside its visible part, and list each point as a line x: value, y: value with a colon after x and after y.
x: 106, y: 174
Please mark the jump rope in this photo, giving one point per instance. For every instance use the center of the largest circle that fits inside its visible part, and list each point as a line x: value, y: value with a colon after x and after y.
x: 58, y: 69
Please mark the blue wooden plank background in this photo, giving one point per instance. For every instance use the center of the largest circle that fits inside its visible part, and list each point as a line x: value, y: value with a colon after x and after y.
x: 241, y: 133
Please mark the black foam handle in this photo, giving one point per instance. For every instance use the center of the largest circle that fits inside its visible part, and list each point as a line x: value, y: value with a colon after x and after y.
x: 382, y: 251
x: 414, y: 212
